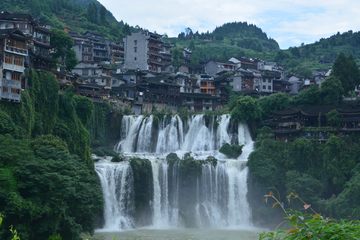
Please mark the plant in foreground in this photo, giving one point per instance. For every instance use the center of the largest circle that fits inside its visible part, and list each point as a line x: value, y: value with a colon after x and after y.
x: 312, y: 226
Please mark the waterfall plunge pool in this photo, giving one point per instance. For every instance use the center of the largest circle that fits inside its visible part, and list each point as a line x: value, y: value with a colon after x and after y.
x: 179, y: 234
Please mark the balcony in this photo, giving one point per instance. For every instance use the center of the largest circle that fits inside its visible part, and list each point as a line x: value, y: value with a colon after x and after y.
x: 11, y: 96
x: 16, y: 50
x: 40, y: 40
x: 90, y: 92
x: 13, y: 67
x: 11, y: 84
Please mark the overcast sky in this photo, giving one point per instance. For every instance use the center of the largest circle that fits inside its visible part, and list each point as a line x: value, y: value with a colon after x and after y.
x: 289, y: 22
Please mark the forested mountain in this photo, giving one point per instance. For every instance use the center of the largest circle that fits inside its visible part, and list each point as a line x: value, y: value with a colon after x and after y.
x: 240, y: 38
x: 78, y: 16
x: 234, y: 39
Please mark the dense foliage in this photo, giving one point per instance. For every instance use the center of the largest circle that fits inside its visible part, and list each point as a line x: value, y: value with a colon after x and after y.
x: 77, y: 15
x: 45, y: 190
x: 47, y: 185
x: 314, y: 171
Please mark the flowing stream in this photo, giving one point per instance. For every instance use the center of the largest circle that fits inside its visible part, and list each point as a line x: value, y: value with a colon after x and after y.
x: 205, y: 194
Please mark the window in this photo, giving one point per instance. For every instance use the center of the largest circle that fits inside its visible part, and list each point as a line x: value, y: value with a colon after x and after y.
x: 269, y: 87
x: 15, y: 76
x: 4, y: 75
x: 85, y: 72
x: 135, y: 58
x: 135, y: 42
x: 8, y: 58
x: 264, y: 87
x: 15, y: 91
x: 102, y: 80
x: 5, y: 89
x: 269, y: 80
x: 264, y: 80
x: 18, y: 60
x: 135, y: 49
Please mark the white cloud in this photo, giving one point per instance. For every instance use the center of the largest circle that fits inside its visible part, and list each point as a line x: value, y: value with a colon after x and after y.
x: 296, y: 19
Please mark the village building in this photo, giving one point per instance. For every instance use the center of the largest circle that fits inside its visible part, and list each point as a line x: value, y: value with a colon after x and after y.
x: 13, y: 52
x: 213, y: 67
x: 40, y: 51
x: 311, y: 122
x: 145, y: 50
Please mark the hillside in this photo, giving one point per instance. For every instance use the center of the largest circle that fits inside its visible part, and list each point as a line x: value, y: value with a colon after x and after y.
x: 78, y: 16
x: 238, y: 39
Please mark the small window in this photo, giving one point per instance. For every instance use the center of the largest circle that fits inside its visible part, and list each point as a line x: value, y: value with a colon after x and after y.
x: 5, y: 89
x: 15, y: 91
x: 264, y: 87
x: 264, y: 80
x: 15, y: 76
x: 135, y: 42
x: 135, y: 49
x: 8, y: 58
x: 135, y: 58
x: 269, y: 80
x: 269, y: 87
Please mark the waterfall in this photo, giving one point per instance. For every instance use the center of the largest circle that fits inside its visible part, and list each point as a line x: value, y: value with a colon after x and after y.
x: 205, y: 194
x: 117, y: 184
x: 160, y: 201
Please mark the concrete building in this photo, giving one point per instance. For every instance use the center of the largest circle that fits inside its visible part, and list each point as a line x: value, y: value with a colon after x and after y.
x: 13, y: 52
x: 146, y: 51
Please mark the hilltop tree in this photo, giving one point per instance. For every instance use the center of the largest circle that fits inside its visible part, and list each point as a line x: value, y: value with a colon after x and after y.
x: 92, y: 13
x: 346, y: 71
x: 103, y: 20
x: 126, y: 30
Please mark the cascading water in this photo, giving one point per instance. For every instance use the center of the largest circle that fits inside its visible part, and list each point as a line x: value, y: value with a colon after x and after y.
x: 117, y: 184
x: 200, y: 195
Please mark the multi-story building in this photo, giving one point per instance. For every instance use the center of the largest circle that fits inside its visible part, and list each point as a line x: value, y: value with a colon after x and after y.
x: 213, y: 67
x: 22, y: 21
x: 13, y: 52
x: 116, y: 52
x: 146, y: 51
x: 40, y: 50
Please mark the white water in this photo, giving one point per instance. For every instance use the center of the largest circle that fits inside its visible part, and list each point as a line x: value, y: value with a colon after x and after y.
x: 219, y: 192
x: 117, y: 184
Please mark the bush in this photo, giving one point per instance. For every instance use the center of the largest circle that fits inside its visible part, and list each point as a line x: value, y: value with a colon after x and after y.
x: 231, y: 151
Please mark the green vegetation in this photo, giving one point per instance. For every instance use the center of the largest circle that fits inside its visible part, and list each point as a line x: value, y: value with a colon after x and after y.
x: 346, y: 71
x: 46, y: 190
x: 306, y: 226
x: 78, y: 16
x: 323, y: 174
x: 47, y: 185
x: 231, y: 151
x: 64, y: 52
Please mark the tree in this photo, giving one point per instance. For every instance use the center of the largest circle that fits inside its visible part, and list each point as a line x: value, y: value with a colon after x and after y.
x: 103, y: 20
x: 246, y: 110
x: 304, y: 71
x: 274, y: 102
x: 176, y: 55
x: 64, y: 52
x: 92, y: 13
x: 192, y: 46
x: 126, y: 30
x: 346, y: 71
x: 308, y: 97
x: 331, y: 91
x: 333, y: 117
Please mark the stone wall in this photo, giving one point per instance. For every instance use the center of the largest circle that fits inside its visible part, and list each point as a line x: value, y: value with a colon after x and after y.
x: 148, y: 107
